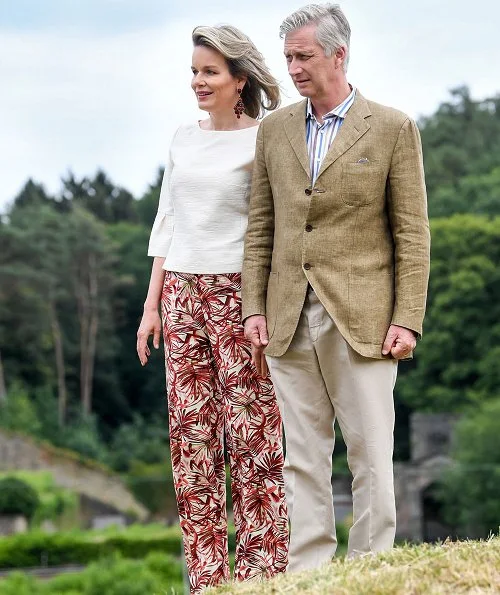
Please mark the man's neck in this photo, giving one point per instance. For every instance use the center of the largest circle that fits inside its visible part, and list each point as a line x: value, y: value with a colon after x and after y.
x: 324, y: 104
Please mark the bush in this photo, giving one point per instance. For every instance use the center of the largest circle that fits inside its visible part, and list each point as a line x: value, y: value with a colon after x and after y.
x: 155, y: 575
x: 18, y: 497
x: 82, y: 436
x: 56, y: 503
x: 153, y: 486
x: 25, y: 550
x: 142, y: 440
x: 19, y: 413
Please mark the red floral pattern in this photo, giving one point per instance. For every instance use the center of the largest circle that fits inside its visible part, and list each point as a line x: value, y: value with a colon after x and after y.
x: 214, y: 390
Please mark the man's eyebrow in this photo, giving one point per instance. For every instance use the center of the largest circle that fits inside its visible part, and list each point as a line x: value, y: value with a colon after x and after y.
x: 298, y: 52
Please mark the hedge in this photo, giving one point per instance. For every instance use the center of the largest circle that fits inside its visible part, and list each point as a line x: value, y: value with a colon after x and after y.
x: 135, y: 542
x: 56, y: 549
x: 158, y: 573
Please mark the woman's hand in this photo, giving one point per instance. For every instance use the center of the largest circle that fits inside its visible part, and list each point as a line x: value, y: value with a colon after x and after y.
x: 150, y: 325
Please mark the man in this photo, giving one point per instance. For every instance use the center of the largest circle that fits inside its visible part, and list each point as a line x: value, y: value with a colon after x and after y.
x: 335, y: 281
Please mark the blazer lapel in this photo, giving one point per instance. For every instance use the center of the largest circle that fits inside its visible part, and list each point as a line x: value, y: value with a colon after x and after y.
x: 353, y: 128
x: 295, y: 128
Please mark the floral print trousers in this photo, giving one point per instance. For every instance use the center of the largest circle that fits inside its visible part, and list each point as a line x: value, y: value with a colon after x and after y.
x: 214, y: 392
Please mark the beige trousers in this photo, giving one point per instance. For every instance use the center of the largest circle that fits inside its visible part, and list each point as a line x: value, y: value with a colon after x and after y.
x: 318, y: 379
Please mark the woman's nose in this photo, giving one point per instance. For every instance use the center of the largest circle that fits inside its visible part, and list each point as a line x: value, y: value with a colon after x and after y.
x: 197, y: 80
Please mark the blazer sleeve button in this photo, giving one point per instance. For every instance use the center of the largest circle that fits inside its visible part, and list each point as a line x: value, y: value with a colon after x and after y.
x: 307, y: 266
x: 309, y: 227
x: 308, y: 191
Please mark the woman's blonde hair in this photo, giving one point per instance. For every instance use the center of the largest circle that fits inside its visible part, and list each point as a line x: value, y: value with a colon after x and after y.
x: 261, y: 91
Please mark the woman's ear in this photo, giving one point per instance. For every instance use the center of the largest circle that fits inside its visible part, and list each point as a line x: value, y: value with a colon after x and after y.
x: 242, y: 80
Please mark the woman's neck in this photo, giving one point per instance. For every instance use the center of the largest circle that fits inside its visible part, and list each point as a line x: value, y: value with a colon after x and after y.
x: 226, y: 120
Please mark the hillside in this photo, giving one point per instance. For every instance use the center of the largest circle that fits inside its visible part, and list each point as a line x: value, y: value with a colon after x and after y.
x: 450, y: 568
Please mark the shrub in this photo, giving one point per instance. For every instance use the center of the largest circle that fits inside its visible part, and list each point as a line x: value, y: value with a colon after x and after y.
x: 19, y: 413
x: 155, y: 575
x: 153, y: 486
x: 55, y: 502
x: 144, y: 441
x: 25, y: 550
x: 18, y: 497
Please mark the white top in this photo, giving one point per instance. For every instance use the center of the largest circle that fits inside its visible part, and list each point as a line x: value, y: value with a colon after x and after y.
x: 203, y: 211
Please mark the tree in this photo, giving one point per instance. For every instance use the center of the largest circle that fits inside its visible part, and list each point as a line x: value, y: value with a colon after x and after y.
x: 98, y: 195
x: 91, y: 279
x: 461, y: 143
x: 143, y: 389
x: 38, y: 240
x: 456, y: 362
x: 147, y: 206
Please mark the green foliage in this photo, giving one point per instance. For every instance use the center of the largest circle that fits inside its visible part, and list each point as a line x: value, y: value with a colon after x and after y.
x: 26, y: 550
x: 143, y: 389
x: 157, y: 574
x: 148, y: 205
x: 19, y: 413
x: 153, y: 486
x: 56, y: 290
x: 461, y: 143
x: 141, y: 440
x: 99, y: 196
x: 18, y: 497
x: 82, y: 436
x: 456, y: 362
x: 54, y: 501
x: 471, y: 486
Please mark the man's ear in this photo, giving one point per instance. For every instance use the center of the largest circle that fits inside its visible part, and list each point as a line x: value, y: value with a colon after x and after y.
x: 340, y: 57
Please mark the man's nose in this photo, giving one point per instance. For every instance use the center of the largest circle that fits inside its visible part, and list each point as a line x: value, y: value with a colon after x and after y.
x: 293, y: 67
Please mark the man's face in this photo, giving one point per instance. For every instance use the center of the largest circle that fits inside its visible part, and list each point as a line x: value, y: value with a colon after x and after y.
x: 312, y: 72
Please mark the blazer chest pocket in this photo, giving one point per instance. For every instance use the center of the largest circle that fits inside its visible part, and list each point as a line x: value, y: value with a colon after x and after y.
x: 362, y: 183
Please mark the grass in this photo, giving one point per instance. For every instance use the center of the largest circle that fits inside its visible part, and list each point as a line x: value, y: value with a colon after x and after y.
x: 450, y: 568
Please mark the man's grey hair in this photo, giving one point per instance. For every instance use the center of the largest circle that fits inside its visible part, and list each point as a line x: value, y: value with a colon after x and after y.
x: 333, y: 29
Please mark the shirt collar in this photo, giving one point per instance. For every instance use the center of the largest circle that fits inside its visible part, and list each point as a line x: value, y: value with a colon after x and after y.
x: 337, y: 112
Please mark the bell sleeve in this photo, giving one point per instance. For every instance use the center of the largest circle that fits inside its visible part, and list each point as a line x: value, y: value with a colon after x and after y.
x: 163, y: 226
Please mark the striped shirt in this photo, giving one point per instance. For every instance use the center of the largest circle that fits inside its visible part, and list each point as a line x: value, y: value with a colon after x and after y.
x: 320, y: 136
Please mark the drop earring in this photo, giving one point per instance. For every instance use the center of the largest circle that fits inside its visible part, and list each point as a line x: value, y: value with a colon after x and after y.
x: 239, y: 108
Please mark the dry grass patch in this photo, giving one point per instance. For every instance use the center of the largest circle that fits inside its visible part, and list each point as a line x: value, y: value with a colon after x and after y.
x: 450, y: 568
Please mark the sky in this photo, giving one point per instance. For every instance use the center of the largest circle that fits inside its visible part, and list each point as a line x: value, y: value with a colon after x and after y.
x: 88, y: 84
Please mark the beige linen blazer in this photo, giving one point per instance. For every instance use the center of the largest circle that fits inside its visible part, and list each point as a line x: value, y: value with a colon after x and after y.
x: 359, y: 236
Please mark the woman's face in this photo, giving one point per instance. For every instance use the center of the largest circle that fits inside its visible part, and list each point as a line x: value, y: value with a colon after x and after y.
x: 213, y: 84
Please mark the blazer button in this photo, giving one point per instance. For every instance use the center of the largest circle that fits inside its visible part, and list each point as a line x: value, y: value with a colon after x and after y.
x: 309, y: 227
x: 307, y: 266
x: 308, y: 191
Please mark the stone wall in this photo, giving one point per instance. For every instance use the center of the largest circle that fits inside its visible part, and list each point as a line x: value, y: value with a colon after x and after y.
x: 431, y: 435
x: 20, y: 452
x: 12, y: 524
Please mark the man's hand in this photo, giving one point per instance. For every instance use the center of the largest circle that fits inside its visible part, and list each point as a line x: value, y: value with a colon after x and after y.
x: 399, y: 342
x: 256, y: 333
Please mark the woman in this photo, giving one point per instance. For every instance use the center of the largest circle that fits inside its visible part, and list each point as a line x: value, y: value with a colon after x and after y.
x: 213, y: 387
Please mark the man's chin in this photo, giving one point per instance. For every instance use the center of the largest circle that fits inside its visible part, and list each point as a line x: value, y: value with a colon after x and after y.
x: 304, y: 91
